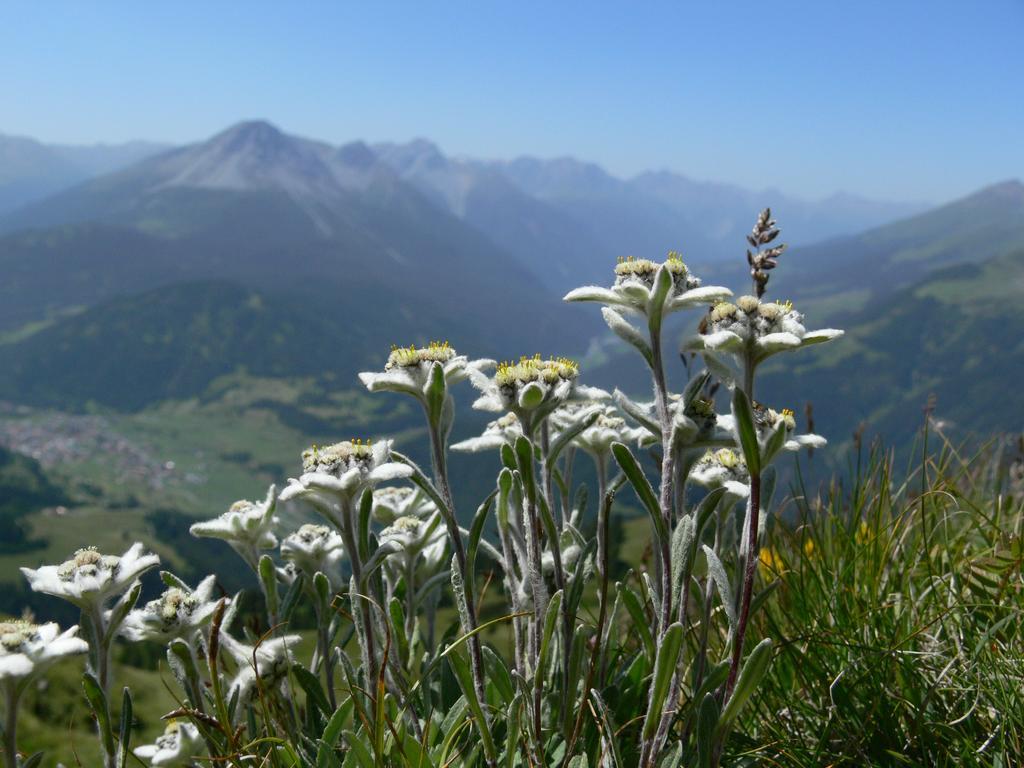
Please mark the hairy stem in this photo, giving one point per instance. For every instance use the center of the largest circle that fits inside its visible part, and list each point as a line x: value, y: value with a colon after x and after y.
x: 667, y: 476
x: 750, y: 564
x: 560, y: 583
x: 440, y: 463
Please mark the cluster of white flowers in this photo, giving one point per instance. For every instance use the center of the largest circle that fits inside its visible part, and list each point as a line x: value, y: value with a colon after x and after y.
x: 608, y: 427
x: 533, y: 388
x: 337, y: 474
x: 638, y: 288
x: 414, y: 538
x: 394, y: 501
x: 248, y: 526
x: 28, y: 649
x: 314, y: 549
x: 408, y: 369
x: 724, y: 467
x: 90, y: 578
x: 756, y: 328
x: 177, y: 747
x: 178, y: 613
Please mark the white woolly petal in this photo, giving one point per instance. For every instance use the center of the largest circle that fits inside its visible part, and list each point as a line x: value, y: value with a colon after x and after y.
x: 15, y: 665
x: 805, y: 441
x: 391, y: 471
x: 633, y: 293
x: 591, y: 393
x: 776, y: 342
x: 722, y: 340
x: 395, y: 380
x: 489, y: 402
x: 593, y: 293
x: 736, y: 489
x: 708, y: 294
x: 821, y: 335
x: 478, y: 444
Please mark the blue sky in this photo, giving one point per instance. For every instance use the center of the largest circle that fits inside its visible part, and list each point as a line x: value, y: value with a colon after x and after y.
x: 896, y: 100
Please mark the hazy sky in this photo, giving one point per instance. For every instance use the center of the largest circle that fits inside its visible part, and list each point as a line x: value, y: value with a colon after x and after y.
x: 897, y: 99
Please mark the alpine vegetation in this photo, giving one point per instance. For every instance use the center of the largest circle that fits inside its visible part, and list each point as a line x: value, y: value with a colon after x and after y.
x: 390, y: 632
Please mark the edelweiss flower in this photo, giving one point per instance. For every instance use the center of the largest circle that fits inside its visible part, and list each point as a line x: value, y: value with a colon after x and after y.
x: 313, y: 549
x: 534, y: 387
x: 337, y: 474
x: 723, y: 467
x: 760, y: 328
x: 27, y: 649
x: 767, y: 420
x: 652, y: 289
x: 408, y: 369
x: 412, y: 537
x: 393, y: 502
x: 597, y: 439
x: 248, y: 526
x: 90, y: 578
x: 178, y: 612
x: 266, y: 663
x: 694, y: 420
x: 498, y: 433
x: 176, y: 748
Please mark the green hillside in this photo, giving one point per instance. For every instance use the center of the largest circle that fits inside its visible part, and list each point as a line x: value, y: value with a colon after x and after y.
x: 24, y: 490
x: 958, y: 335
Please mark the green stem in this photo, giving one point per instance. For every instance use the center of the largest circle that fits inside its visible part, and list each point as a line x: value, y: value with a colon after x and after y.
x: 11, y: 725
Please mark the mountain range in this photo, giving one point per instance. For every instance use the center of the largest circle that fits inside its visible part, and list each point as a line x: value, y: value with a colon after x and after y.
x: 31, y: 170
x: 280, y: 256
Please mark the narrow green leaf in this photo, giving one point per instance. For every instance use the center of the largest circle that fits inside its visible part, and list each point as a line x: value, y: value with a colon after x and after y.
x: 524, y: 462
x: 640, y: 621
x: 331, y: 734
x: 717, y: 572
x: 397, y: 614
x: 498, y: 674
x: 513, y: 732
x: 707, y: 721
x: 268, y: 577
x: 743, y: 415
x: 476, y: 531
x: 125, y: 730
x: 460, y: 667
x: 750, y: 676
x: 664, y: 668
x: 291, y: 596
x: 508, y: 456
x: 550, y: 622
x: 101, y: 711
x: 357, y: 746
x: 682, y: 555
x: 315, y: 697
x: 641, y: 485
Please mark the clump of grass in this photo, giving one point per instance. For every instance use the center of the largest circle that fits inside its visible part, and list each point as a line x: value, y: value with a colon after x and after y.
x: 898, y: 617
